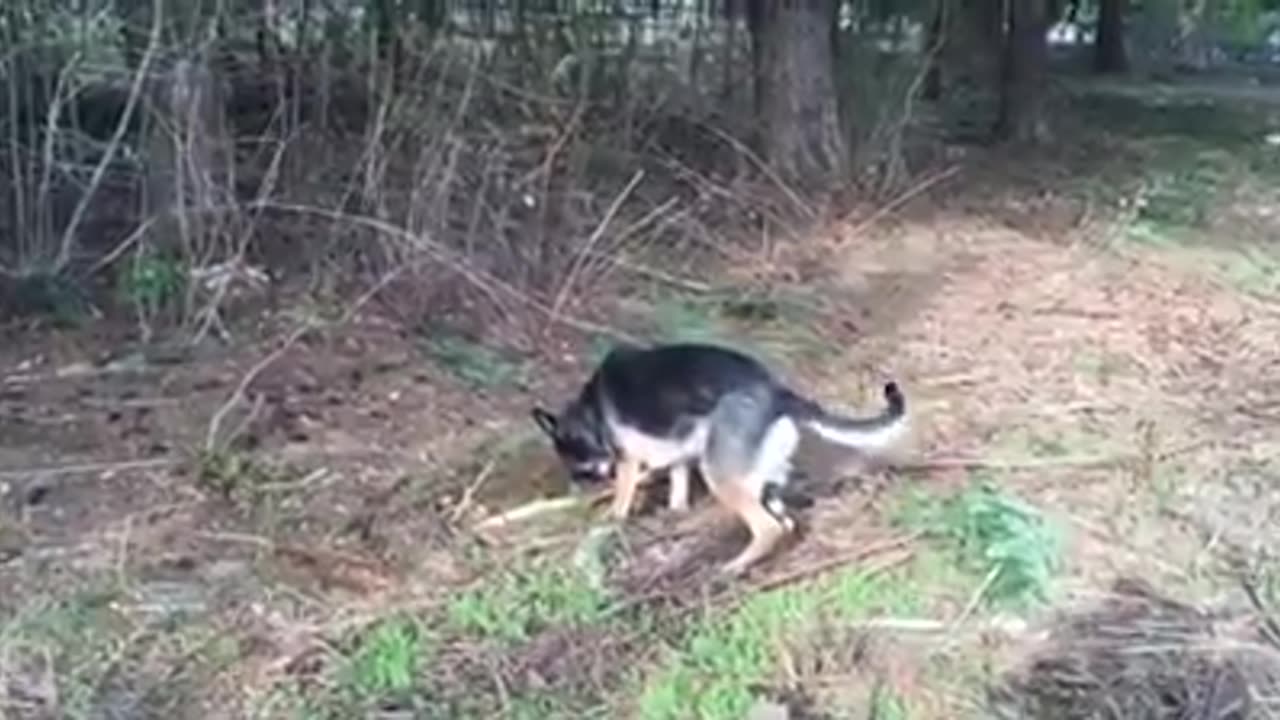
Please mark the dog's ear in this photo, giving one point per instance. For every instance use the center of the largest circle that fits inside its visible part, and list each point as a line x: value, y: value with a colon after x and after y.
x: 546, y: 420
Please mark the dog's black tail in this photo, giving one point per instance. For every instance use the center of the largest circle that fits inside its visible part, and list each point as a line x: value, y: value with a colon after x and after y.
x: 866, y: 434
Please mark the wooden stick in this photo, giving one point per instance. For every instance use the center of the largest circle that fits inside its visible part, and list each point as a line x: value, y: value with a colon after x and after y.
x: 91, y: 468
x: 530, y: 510
x: 840, y: 560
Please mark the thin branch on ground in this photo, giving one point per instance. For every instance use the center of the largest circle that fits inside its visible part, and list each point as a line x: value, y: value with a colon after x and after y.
x: 885, y: 210
x: 89, y: 468
x: 838, y: 561
x: 978, y: 463
x: 1270, y: 626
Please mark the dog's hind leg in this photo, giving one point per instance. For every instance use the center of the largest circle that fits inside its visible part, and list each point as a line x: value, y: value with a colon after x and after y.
x: 766, y: 529
x: 748, y: 459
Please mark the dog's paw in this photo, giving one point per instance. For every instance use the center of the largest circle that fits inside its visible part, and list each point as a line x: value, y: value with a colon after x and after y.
x: 732, y: 570
x: 894, y: 397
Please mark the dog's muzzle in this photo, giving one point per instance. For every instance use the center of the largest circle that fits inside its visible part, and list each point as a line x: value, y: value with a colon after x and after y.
x: 591, y: 473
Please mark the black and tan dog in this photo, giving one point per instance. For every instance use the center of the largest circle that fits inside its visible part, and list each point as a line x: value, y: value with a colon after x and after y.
x: 667, y: 408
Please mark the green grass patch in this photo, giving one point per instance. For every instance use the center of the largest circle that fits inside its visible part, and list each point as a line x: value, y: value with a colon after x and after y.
x: 992, y: 535
x: 471, y: 362
x: 97, y: 649
x: 1181, y: 191
x: 888, y: 704
x: 1178, y: 208
x: 387, y: 659
x: 515, y: 605
x: 711, y: 673
x: 384, y: 666
x: 72, y: 641
x: 775, y: 324
x: 1184, y: 164
x: 1174, y: 113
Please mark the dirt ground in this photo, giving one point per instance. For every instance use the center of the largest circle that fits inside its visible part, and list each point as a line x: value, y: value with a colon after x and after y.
x: 1126, y: 391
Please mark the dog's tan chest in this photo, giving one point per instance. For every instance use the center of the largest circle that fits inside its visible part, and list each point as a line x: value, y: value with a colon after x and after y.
x: 657, y: 452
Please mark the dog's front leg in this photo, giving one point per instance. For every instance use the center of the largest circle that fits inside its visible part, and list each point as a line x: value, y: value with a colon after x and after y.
x: 678, y: 495
x: 626, y: 480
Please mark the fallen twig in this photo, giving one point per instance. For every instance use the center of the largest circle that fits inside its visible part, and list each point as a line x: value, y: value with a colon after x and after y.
x: 101, y: 467
x: 978, y: 463
x: 897, y: 202
x: 972, y: 606
x: 837, y: 561
x: 576, y: 268
x: 1270, y: 626
x: 465, y: 501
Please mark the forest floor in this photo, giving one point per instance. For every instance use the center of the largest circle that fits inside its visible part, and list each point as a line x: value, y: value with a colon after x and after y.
x: 1088, y: 514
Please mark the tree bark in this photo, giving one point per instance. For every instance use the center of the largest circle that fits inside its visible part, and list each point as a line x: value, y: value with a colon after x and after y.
x: 803, y: 137
x: 933, y: 51
x: 1193, y: 46
x: 1109, y: 53
x: 1024, y: 72
x: 755, y: 12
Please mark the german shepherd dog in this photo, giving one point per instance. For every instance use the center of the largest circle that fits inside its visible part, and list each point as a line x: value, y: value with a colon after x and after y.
x: 668, y: 407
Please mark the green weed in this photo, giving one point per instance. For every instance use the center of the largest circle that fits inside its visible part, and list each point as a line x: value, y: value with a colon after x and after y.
x: 238, y: 476
x: 887, y: 704
x: 387, y: 659
x: 995, y: 536
x: 153, y: 284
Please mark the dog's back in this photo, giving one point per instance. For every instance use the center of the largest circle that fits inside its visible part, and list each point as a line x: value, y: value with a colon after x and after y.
x: 661, y: 390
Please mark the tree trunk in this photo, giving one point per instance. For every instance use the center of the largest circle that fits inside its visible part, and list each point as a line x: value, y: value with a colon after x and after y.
x: 1193, y: 47
x: 933, y: 52
x: 1024, y: 72
x: 1109, y: 54
x: 755, y: 12
x: 803, y: 137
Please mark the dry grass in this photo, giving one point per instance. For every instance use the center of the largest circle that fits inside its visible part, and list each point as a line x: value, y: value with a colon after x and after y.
x: 1137, y: 654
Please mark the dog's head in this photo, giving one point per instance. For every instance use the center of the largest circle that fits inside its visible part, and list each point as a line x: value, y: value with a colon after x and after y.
x: 580, y: 444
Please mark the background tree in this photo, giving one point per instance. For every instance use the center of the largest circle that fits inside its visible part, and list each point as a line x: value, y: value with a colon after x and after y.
x: 1109, y: 45
x: 800, y: 112
x: 1024, y: 71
